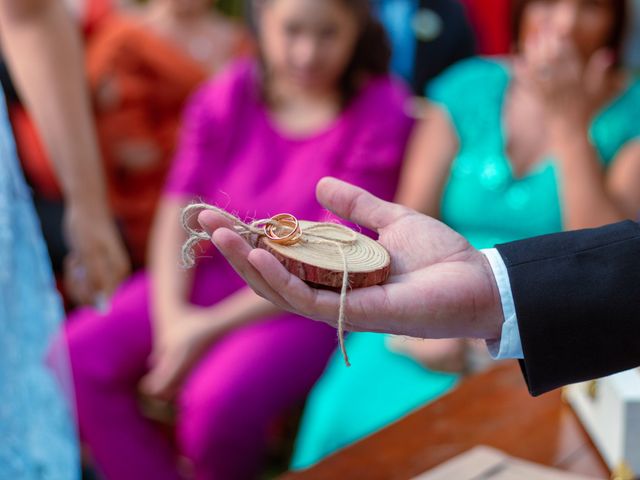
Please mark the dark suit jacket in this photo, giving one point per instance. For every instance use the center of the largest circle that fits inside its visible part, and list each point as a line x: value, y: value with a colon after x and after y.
x: 577, y: 299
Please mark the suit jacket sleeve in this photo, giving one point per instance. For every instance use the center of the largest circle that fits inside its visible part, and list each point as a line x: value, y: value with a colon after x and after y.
x: 577, y: 299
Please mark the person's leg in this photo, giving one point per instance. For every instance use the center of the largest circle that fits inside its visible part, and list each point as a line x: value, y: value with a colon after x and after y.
x: 108, y: 357
x: 247, y: 379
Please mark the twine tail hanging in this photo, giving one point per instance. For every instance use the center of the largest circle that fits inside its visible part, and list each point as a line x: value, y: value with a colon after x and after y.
x: 343, y: 301
x: 257, y: 228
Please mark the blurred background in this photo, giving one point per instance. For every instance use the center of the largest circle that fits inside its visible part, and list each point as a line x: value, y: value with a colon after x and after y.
x: 503, y: 118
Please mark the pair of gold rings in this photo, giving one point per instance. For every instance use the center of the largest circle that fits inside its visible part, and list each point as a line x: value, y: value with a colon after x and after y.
x: 283, y: 229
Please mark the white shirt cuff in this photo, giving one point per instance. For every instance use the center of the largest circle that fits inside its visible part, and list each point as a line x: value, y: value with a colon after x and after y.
x: 509, y: 344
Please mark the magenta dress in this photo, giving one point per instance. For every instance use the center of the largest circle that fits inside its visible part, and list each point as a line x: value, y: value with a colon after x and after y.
x: 232, y: 155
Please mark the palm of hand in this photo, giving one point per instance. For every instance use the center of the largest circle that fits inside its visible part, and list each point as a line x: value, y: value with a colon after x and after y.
x: 440, y: 286
x: 435, y: 273
x: 566, y: 84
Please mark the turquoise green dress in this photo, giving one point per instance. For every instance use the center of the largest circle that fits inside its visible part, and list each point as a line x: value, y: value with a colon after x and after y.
x: 488, y: 205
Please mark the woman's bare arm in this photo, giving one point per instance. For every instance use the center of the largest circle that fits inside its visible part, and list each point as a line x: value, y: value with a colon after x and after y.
x: 43, y: 50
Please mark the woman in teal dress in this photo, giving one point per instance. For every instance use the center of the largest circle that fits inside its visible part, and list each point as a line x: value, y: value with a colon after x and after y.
x: 510, y: 148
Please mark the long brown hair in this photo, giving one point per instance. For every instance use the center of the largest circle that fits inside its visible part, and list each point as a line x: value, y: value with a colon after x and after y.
x: 618, y: 30
x: 372, y: 52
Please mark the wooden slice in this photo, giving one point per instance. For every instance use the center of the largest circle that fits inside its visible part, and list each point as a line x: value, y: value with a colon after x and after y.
x: 320, y: 263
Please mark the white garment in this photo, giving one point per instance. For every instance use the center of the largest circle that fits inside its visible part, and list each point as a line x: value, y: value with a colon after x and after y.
x: 509, y: 344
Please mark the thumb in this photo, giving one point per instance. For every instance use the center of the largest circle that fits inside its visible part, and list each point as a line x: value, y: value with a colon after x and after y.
x: 596, y: 70
x: 357, y: 205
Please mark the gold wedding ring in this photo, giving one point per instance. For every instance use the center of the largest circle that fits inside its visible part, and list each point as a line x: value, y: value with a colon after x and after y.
x: 283, y: 229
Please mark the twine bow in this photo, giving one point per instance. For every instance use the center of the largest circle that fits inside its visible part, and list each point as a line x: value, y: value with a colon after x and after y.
x: 258, y: 228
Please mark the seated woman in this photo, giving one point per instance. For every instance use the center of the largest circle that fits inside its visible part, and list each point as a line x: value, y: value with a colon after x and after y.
x: 255, y: 141
x: 539, y: 142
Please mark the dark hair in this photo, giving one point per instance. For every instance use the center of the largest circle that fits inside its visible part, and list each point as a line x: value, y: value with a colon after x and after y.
x: 372, y: 52
x: 616, y: 38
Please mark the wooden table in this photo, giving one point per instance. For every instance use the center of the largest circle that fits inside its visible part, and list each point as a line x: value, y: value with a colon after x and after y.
x: 493, y: 408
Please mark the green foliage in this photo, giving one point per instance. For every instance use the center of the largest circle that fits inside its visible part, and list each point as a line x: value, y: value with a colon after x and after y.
x: 235, y: 8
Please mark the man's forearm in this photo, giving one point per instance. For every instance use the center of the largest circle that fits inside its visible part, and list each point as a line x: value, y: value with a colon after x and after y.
x: 576, y: 298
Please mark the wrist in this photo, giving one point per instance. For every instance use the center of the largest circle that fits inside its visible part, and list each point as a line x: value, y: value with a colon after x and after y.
x: 84, y: 205
x: 82, y: 179
x: 569, y: 142
x: 567, y: 124
x: 203, y: 316
x: 164, y: 314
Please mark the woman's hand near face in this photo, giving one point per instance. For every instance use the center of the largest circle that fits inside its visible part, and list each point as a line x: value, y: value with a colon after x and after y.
x: 569, y: 89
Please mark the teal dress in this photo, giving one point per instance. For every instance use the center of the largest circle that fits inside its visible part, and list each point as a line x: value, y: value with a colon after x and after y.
x: 488, y: 205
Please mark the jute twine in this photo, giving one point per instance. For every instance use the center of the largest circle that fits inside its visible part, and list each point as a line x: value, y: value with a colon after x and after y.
x: 252, y: 231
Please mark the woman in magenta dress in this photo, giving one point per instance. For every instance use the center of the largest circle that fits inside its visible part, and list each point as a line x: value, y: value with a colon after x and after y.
x: 255, y: 141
